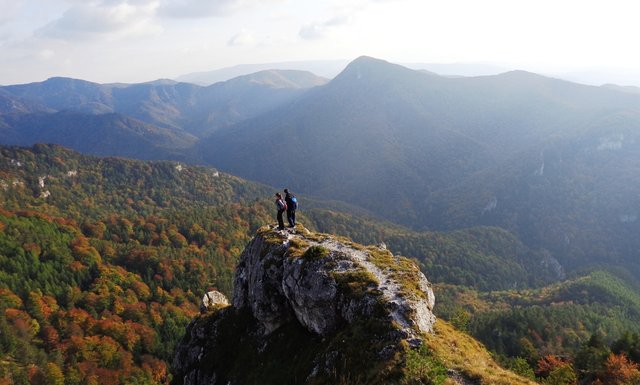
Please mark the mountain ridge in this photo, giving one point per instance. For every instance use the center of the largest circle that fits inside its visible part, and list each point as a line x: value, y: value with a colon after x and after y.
x: 187, y: 107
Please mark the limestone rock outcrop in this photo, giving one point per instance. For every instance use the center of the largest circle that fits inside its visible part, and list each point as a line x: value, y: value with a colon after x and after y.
x: 213, y: 300
x: 330, y: 293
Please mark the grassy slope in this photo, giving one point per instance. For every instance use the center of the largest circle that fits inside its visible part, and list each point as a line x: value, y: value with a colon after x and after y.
x: 462, y: 353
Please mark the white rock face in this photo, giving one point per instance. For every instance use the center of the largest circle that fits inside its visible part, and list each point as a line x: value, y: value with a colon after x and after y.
x: 213, y: 299
x: 277, y: 287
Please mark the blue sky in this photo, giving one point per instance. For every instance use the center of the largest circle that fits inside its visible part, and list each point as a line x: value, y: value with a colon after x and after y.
x: 141, y: 40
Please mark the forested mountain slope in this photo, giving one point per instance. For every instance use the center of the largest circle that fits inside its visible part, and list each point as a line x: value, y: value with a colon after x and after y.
x: 103, y: 261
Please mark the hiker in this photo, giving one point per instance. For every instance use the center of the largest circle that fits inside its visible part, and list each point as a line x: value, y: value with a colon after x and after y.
x: 292, y: 206
x: 282, y: 206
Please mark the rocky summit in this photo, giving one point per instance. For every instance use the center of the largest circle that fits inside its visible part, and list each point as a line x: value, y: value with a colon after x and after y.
x: 310, y: 308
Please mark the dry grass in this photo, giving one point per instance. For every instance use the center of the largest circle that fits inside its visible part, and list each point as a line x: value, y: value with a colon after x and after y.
x: 460, y: 352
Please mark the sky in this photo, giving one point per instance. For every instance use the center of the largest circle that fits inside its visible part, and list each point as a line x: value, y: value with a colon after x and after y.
x: 142, y: 40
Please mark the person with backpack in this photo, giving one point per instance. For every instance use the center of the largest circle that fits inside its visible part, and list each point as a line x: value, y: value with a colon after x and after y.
x: 281, y: 204
x: 292, y: 206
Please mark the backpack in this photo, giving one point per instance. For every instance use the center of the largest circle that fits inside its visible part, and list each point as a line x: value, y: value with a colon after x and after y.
x: 282, y: 205
x: 294, y: 202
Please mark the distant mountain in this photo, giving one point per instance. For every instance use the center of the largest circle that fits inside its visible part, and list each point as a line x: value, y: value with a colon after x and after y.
x: 104, y: 134
x: 60, y: 94
x: 154, y: 120
x: 180, y: 107
x: 458, y: 69
x: 331, y: 68
x: 548, y: 159
x: 202, y: 110
x: 282, y: 79
x: 324, y: 68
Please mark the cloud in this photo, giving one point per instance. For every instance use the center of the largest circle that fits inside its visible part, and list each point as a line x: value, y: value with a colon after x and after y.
x: 242, y: 38
x: 319, y: 29
x: 107, y: 18
x: 205, y: 8
x: 311, y: 31
x: 341, y: 12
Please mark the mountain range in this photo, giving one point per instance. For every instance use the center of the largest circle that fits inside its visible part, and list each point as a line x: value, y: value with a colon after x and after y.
x: 548, y: 160
x: 155, y: 118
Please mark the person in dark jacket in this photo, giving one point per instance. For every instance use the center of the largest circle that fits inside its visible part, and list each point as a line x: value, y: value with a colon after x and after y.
x: 282, y: 206
x: 292, y: 205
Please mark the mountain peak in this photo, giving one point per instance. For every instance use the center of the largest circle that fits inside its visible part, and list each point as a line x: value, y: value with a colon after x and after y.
x: 366, y: 69
x: 368, y: 62
x: 364, y: 59
x: 61, y: 80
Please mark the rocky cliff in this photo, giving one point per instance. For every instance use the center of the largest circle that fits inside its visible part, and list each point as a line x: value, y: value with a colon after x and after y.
x: 310, y: 308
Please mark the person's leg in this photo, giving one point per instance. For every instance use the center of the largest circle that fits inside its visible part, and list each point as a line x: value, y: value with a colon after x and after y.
x: 291, y: 217
x: 280, y: 221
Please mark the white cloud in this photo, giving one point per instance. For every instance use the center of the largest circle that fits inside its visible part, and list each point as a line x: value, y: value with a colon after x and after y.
x: 108, y: 18
x: 318, y: 29
x: 242, y: 38
x: 312, y: 31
